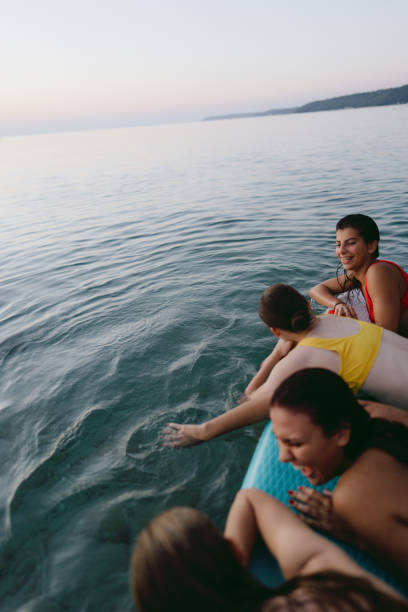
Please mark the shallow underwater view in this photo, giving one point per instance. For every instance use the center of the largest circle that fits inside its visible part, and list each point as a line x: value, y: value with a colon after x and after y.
x: 131, y: 266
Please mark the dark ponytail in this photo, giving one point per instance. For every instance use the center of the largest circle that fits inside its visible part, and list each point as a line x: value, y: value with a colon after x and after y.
x: 300, y: 321
x: 331, y: 590
x: 283, y: 307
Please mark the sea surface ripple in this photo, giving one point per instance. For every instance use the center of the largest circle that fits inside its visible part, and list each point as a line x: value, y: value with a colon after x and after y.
x: 131, y: 266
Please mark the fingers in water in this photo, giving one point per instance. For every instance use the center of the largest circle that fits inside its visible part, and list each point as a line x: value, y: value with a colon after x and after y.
x: 171, y: 435
x: 172, y: 426
x: 177, y: 435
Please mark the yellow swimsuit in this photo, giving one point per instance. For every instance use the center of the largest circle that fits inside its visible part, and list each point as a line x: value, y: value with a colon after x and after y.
x: 357, y: 353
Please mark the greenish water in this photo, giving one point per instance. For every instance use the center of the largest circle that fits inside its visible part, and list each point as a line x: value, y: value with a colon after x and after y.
x: 131, y: 266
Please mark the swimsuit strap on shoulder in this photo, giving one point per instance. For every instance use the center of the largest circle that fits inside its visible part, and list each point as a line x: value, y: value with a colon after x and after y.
x: 370, y: 306
x: 357, y: 352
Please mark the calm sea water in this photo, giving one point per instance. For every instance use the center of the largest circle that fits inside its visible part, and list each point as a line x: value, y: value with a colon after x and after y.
x: 131, y: 263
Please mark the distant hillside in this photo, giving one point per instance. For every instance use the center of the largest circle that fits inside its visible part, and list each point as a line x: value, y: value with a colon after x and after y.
x: 275, y: 111
x: 381, y: 97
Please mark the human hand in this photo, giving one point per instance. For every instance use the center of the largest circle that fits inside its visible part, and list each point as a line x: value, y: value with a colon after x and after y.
x: 316, y: 509
x: 177, y: 436
x: 344, y: 310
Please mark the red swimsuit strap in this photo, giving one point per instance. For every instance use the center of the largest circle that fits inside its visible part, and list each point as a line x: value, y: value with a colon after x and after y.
x: 404, y: 300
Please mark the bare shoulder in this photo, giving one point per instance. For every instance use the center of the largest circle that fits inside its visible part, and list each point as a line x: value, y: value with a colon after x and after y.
x: 314, y: 357
x: 381, y: 267
x: 294, y: 361
x: 300, y: 357
x: 375, y: 485
x: 288, y: 365
x: 383, y: 272
x: 372, y: 500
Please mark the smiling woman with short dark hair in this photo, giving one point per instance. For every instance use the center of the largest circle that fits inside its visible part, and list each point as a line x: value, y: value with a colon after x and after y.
x: 383, y: 283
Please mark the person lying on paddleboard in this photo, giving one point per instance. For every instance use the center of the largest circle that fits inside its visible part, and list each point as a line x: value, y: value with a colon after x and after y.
x: 383, y: 283
x: 181, y: 561
x: 366, y: 356
x: 323, y: 431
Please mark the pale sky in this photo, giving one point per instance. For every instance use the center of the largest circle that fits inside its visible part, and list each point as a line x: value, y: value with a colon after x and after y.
x: 78, y: 64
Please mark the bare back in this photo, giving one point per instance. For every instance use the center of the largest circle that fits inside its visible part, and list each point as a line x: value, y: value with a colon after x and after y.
x: 387, y: 379
x: 372, y: 498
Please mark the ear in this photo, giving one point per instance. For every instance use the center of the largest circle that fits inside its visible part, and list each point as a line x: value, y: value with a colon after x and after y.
x: 275, y: 331
x: 343, y: 435
x: 372, y: 246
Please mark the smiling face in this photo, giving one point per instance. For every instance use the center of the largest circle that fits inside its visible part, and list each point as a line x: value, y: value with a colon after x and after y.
x: 306, y: 447
x: 352, y: 250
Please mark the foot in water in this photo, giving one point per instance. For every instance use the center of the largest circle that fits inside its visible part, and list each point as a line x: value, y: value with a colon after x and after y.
x: 176, y: 435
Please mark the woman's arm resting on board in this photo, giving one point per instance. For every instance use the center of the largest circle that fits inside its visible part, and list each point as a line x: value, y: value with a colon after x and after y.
x: 385, y: 411
x: 377, y: 516
x: 325, y: 294
x: 297, y: 548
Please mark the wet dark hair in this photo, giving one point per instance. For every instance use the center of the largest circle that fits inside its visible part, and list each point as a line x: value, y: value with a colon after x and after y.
x: 330, y: 404
x: 364, y: 225
x: 283, y: 307
x: 181, y: 561
x: 368, y: 230
x: 330, y: 591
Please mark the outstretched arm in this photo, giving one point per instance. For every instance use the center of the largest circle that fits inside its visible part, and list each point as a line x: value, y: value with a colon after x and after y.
x: 255, y: 409
x: 297, y: 548
x: 326, y: 294
x: 252, y: 411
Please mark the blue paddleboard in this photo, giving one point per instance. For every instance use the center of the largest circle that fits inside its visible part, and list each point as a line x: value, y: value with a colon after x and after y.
x: 267, y: 473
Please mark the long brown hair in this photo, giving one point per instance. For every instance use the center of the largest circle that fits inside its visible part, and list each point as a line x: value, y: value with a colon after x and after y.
x: 332, y: 591
x: 181, y: 562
